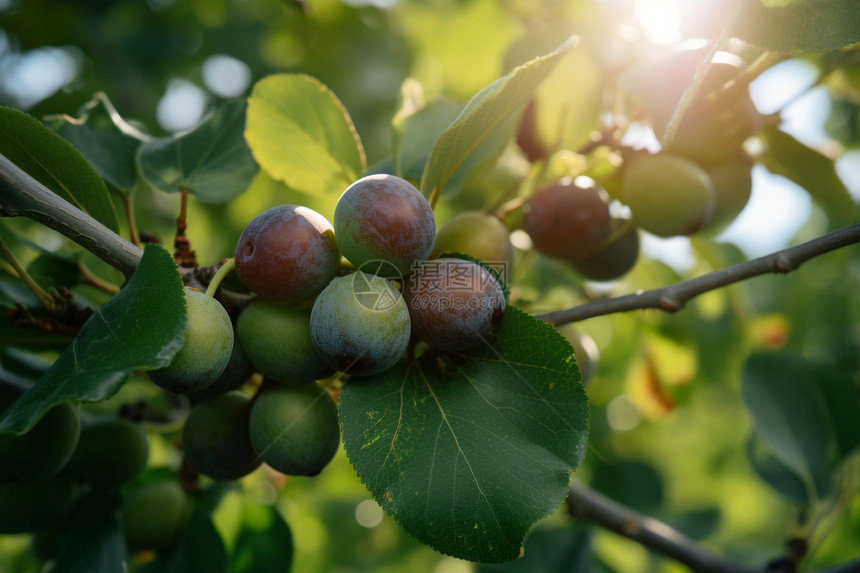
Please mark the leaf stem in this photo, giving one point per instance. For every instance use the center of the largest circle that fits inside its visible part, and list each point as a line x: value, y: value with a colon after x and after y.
x: 673, y: 297
x: 47, y: 300
x: 219, y: 277
x: 128, y: 202
x: 585, y: 503
x: 23, y: 196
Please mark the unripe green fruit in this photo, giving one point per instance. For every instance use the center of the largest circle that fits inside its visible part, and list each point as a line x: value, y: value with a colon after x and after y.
x: 44, y: 450
x: 32, y: 506
x: 153, y: 515
x: 110, y: 452
x: 276, y: 337
x: 216, y: 439
x: 207, y: 348
x: 732, y: 189
x: 237, y: 372
x: 668, y: 194
x: 360, y: 324
x: 294, y: 427
x: 476, y: 234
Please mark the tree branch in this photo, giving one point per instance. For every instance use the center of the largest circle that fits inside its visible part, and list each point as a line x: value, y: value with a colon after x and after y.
x: 585, y: 503
x: 673, y: 298
x: 21, y: 195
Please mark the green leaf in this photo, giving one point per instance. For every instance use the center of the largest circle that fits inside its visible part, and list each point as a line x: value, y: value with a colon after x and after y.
x: 301, y: 134
x: 552, y: 549
x: 468, y: 451
x: 265, y: 544
x: 485, y: 113
x: 200, y: 548
x: 91, y: 539
x: 810, y: 169
x: 841, y: 393
x: 142, y: 327
x: 775, y: 473
x: 212, y: 161
x: 799, y: 27
x: 105, y: 139
x: 790, y: 414
x: 56, y: 164
x: 419, y: 133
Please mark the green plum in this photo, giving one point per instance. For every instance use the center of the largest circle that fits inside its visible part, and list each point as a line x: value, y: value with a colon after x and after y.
x: 111, y: 451
x: 668, y: 194
x: 276, y: 338
x: 206, y: 350
x: 360, y: 324
x: 216, y: 437
x: 237, y: 372
x: 153, y: 515
x: 477, y: 234
x: 732, y: 189
x: 294, y: 427
x: 33, y: 506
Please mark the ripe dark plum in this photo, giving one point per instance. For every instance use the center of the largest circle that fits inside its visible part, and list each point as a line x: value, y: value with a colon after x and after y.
x: 360, y: 324
x: 384, y: 225
x: 276, y: 337
x: 453, y: 304
x: 44, y: 450
x: 294, y: 427
x: 668, y: 194
x: 612, y: 259
x: 207, y: 348
x: 111, y: 451
x: 566, y: 220
x: 216, y: 439
x: 287, y: 253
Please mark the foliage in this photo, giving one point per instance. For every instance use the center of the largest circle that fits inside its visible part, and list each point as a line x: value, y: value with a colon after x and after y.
x: 733, y: 420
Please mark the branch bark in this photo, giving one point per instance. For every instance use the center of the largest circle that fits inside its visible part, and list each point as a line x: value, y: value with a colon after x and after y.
x: 673, y: 298
x: 21, y: 195
x: 585, y: 503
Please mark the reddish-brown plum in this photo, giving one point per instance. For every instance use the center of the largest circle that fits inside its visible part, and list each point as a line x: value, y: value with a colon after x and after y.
x: 567, y: 220
x: 384, y: 225
x: 287, y: 253
x: 453, y: 304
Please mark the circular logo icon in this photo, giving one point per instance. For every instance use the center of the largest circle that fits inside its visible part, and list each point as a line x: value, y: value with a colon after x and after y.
x: 371, y: 291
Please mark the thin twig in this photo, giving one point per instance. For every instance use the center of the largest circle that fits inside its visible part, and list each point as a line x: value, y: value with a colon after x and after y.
x: 585, y: 503
x: 673, y: 298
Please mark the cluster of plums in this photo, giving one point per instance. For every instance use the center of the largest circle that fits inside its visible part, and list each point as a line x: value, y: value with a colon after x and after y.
x: 699, y: 182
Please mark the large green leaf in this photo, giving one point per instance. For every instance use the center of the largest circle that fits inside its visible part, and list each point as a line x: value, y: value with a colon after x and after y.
x: 419, y: 133
x: 213, y: 161
x: 142, y: 327
x: 56, y: 164
x: 810, y: 169
x: 301, y: 134
x: 776, y: 474
x: 485, y: 113
x: 468, y: 451
x: 799, y: 26
x: 90, y: 539
x: 790, y: 415
x: 199, y: 549
x: 105, y: 139
x: 265, y: 544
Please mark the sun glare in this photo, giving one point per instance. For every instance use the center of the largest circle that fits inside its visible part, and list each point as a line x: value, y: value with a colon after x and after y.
x: 659, y: 19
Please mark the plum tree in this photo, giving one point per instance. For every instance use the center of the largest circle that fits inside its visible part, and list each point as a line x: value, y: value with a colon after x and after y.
x: 567, y: 220
x: 35, y: 505
x: 288, y: 252
x: 44, y: 450
x: 294, y: 427
x: 206, y: 350
x: 614, y: 258
x: 384, y: 225
x: 112, y: 451
x: 216, y: 438
x: 477, y: 234
x: 153, y: 515
x: 276, y: 337
x: 453, y: 304
x: 668, y: 194
x: 360, y: 324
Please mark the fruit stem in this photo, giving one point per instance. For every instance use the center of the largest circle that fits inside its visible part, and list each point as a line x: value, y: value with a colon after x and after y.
x: 90, y: 278
x: 128, y: 203
x: 47, y: 300
x: 225, y: 270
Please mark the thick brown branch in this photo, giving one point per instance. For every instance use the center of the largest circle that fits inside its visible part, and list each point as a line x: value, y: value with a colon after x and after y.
x: 673, y: 298
x: 585, y: 503
x: 21, y: 195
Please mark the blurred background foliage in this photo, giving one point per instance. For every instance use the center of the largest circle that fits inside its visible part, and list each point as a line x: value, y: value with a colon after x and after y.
x: 669, y: 426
